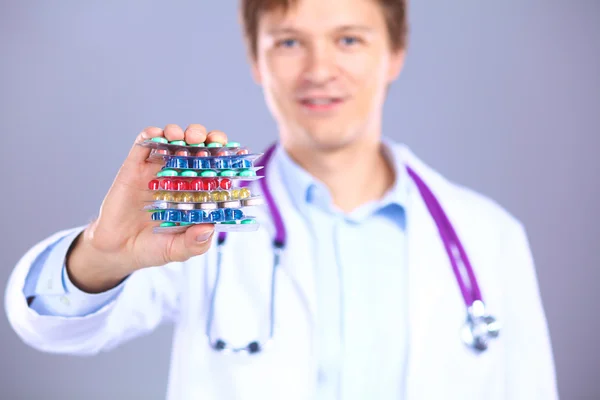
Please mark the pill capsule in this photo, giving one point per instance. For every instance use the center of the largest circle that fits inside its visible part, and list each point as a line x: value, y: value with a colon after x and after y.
x: 235, y: 194
x: 167, y: 224
x: 214, y: 144
x: 211, y: 184
x: 201, y: 197
x: 233, y: 144
x: 232, y: 214
x: 195, y: 216
x: 202, y: 153
x: 173, y: 215
x: 216, y: 216
x: 220, y: 163
x: 244, y: 193
x: 176, y: 162
x: 200, y: 163
x: 225, y: 184
x: 208, y: 173
x: 161, y: 152
x: 182, y: 153
x: 159, y: 139
x: 242, y: 152
x: 247, y: 172
x: 182, y: 184
x: 187, y: 197
x: 167, y: 184
x: 248, y: 221
x: 197, y: 145
x: 178, y: 142
x: 196, y: 184
x: 227, y: 172
x: 178, y: 197
x: 189, y: 173
x: 159, y: 196
x: 225, y: 196
x: 169, y: 196
x: 158, y: 216
x: 153, y: 184
x: 216, y: 196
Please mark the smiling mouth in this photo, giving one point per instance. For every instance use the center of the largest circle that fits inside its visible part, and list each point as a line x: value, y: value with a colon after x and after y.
x: 321, y: 103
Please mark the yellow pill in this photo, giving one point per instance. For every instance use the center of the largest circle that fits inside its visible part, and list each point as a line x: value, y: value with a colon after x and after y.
x: 225, y: 196
x: 169, y: 196
x: 235, y: 194
x: 178, y: 197
x: 201, y: 197
x: 187, y: 197
x: 159, y: 196
x: 244, y: 193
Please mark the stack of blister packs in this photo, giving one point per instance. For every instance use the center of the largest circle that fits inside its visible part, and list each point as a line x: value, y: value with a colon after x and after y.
x: 200, y: 184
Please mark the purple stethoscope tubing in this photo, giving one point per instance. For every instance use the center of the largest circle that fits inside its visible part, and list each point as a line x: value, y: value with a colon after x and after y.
x: 479, y: 326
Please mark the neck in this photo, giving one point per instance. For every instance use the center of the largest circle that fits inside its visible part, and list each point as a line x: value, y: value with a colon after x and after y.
x: 355, y: 174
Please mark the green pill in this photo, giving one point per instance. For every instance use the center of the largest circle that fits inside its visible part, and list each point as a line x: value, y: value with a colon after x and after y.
x: 208, y: 173
x: 247, y: 172
x: 167, y: 224
x: 189, y: 173
x: 233, y: 144
x: 227, y: 172
x: 159, y: 139
x: 179, y: 142
x: 167, y: 172
x: 214, y: 144
x: 197, y: 145
x: 248, y: 221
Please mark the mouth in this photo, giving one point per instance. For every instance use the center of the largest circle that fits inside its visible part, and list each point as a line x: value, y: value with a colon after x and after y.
x: 320, y: 104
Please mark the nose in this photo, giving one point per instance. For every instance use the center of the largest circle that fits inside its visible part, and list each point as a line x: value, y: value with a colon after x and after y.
x: 320, y: 64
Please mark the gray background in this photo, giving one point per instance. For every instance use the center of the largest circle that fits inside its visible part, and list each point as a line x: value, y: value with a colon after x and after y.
x: 503, y: 97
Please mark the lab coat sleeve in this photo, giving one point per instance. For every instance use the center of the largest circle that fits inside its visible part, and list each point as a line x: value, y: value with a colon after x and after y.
x: 146, y: 299
x: 530, y: 362
x: 49, y: 291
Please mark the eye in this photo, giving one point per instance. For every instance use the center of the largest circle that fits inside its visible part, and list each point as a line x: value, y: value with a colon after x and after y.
x: 287, y: 43
x: 349, y: 40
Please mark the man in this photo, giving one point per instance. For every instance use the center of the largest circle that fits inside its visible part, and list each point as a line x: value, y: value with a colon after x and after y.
x: 366, y: 304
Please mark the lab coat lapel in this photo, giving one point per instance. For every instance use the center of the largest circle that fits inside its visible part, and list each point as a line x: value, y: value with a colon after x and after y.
x: 433, y: 294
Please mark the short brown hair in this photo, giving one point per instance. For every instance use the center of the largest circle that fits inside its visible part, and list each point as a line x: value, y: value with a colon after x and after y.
x: 394, y: 10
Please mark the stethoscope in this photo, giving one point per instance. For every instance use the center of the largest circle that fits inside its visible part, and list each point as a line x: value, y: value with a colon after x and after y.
x: 479, y: 326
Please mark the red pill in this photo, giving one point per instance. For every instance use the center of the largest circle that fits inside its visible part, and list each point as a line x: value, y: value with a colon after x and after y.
x: 196, y: 184
x: 153, y: 184
x: 211, y: 184
x: 223, y: 153
x: 182, y: 185
x: 202, y: 153
x: 182, y: 153
x: 225, y: 184
x: 241, y: 152
x: 167, y: 184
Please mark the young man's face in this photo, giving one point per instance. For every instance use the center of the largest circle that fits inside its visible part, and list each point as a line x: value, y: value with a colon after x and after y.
x: 325, y: 66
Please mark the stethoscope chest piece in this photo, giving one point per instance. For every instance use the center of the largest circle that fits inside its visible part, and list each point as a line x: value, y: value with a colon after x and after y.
x: 479, y: 327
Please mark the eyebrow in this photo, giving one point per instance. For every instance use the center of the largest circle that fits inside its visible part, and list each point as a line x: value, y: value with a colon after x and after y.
x: 343, y: 28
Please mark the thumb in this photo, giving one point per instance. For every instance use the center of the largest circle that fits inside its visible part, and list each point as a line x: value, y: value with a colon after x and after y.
x: 196, y: 240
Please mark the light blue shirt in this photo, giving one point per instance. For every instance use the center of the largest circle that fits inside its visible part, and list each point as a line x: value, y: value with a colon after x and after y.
x: 361, y: 280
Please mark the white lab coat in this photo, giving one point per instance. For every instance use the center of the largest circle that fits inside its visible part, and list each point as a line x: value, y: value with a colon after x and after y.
x: 518, y: 364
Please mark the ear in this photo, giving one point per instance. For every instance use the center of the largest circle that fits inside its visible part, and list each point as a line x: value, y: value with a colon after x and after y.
x: 396, y: 64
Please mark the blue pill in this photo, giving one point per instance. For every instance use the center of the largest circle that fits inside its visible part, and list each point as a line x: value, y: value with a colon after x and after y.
x: 241, y: 163
x: 217, y: 216
x: 233, y: 214
x: 176, y: 162
x: 222, y: 163
x: 195, y: 216
x: 158, y: 216
x: 172, y: 216
x: 201, y: 163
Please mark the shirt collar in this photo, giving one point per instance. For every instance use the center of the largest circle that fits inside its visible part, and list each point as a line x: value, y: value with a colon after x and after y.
x: 304, y: 189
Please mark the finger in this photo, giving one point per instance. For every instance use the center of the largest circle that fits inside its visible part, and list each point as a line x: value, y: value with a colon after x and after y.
x: 196, y: 240
x: 173, y: 132
x: 195, y: 133
x: 216, y: 136
x: 139, y: 154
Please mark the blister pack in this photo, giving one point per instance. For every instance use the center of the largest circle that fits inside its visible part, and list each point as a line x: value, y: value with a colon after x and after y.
x: 202, y: 184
